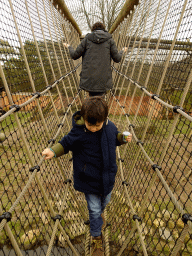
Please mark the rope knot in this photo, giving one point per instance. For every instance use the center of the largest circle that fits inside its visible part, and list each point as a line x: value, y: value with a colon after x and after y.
x: 6, y: 215
x: 32, y: 169
x: 36, y: 93
x: 51, y: 140
x: 125, y: 183
x: 186, y: 217
x: 153, y: 96
x: 136, y: 217
x: 57, y: 217
x: 140, y: 142
x: 17, y: 107
x: 49, y: 87
x: 175, y: 109
x: 87, y: 222
x: 154, y: 166
x: 67, y: 181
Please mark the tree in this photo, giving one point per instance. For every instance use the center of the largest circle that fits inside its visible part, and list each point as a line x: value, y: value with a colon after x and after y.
x: 87, y: 14
x: 5, y: 49
x: 15, y: 69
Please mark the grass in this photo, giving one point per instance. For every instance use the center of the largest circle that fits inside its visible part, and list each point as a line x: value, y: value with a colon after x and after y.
x: 10, y: 124
x: 183, y: 126
x: 157, y: 127
x: 165, y: 205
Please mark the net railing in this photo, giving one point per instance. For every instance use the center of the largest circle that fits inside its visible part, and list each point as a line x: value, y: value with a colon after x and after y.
x: 150, y: 211
x: 152, y: 96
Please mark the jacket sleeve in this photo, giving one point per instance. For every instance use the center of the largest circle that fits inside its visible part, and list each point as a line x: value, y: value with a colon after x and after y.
x: 120, y: 139
x: 115, y: 55
x: 76, y: 54
x: 66, y: 144
x: 58, y: 150
x: 69, y: 140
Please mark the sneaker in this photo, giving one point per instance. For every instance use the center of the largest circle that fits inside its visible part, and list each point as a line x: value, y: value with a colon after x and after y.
x: 97, y: 246
x: 104, y: 221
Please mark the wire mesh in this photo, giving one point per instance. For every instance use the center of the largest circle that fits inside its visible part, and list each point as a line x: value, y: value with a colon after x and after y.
x: 159, y: 199
x: 150, y: 209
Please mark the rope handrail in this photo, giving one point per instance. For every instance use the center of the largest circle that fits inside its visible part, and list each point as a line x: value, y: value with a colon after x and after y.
x: 153, y: 165
x: 156, y: 97
x: 153, y: 183
x: 66, y: 13
x: 36, y: 168
x: 127, y: 8
x: 37, y: 94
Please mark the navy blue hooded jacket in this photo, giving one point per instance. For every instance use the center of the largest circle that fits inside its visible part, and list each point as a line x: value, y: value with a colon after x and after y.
x: 94, y: 156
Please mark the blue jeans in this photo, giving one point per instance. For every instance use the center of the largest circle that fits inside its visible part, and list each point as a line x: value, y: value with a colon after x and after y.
x: 96, y: 205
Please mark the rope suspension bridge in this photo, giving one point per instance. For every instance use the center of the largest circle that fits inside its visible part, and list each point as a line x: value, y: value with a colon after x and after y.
x: 150, y: 212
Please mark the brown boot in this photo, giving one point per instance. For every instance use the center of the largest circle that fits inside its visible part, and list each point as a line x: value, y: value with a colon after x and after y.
x: 97, y: 246
x: 104, y: 221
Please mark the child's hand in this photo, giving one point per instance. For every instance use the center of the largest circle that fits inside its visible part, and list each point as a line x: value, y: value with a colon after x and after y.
x: 48, y: 153
x: 66, y: 45
x: 129, y: 138
x: 124, y: 49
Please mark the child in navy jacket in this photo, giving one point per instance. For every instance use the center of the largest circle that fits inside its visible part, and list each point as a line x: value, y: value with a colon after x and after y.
x: 92, y: 140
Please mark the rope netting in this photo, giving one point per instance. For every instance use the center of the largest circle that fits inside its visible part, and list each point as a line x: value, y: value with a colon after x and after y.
x: 150, y: 212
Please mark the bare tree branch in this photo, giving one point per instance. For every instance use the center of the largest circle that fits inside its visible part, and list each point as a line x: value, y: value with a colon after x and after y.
x: 105, y: 11
x: 86, y: 14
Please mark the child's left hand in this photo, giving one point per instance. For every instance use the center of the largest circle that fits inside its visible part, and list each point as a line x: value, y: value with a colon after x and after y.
x: 124, y: 49
x: 66, y: 45
x: 129, y: 138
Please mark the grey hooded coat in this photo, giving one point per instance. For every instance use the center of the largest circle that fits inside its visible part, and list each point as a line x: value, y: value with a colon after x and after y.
x: 97, y: 49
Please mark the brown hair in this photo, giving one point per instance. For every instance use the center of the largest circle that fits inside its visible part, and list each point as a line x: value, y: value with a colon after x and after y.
x: 98, y: 25
x: 94, y: 109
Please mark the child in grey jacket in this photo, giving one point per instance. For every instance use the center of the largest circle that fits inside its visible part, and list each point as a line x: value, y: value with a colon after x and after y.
x: 97, y: 50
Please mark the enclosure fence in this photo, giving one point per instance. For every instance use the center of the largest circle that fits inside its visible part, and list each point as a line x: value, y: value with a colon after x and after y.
x: 150, y: 212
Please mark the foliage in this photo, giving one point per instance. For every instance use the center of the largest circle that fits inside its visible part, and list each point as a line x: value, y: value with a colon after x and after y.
x: 15, y: 69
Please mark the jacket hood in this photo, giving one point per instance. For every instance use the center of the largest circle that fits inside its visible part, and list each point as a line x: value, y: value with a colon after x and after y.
x: 77, y: 119
x: 99, y: 36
